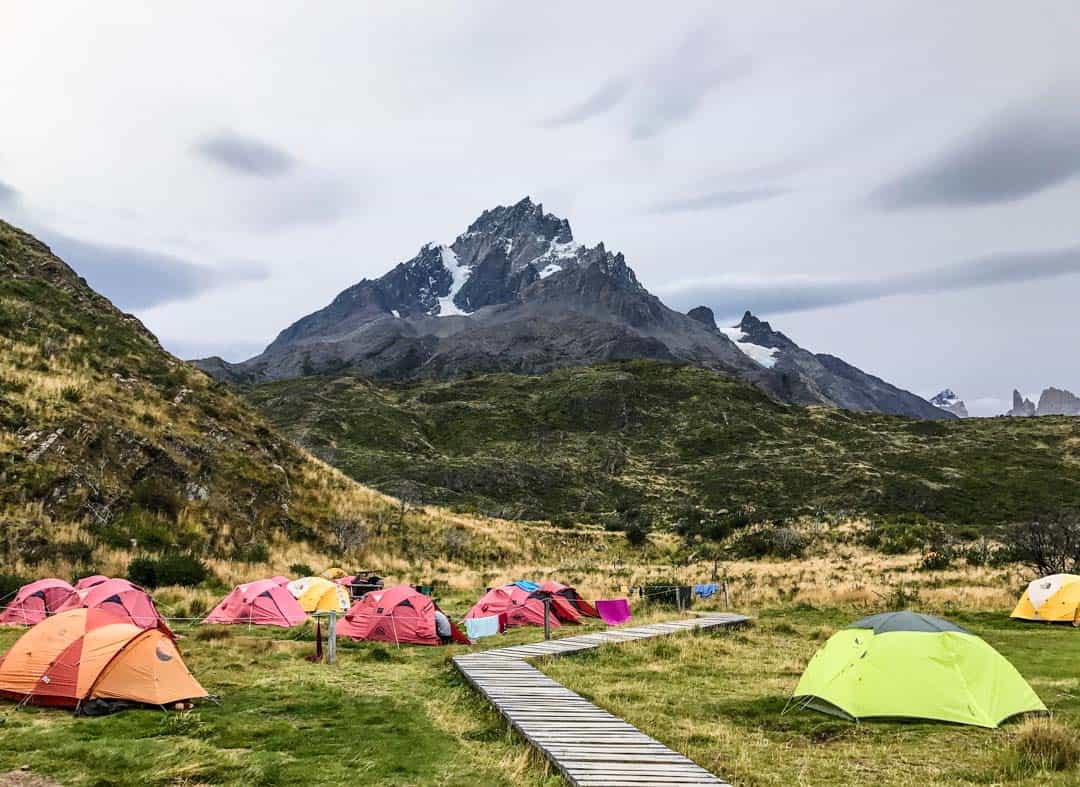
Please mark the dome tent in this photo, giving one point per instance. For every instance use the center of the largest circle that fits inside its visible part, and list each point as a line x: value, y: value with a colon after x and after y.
x: 316, y: 594
x: 578, y: 606
x: 400, y: 615
x: 1052, y: 599
x: 908, y: 665
x: 261, y: 603
x: 88, y: 582
x: 121, y: 597
x: 521, y: 607
x: 35, y: 602
x: 95, y: 654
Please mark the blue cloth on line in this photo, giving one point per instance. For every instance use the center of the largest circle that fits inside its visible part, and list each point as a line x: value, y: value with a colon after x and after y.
x: 476, y: 628
x: 704, y: 591
x: 526, y: 585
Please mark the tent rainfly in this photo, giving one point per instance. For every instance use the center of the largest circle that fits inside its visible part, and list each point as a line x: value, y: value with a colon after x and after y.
x: 261, y: 603
x: 1052, y: 599
x: 400, y: 615
x: 316, y: 594
x: 907, y: 665
x: 35, y: 602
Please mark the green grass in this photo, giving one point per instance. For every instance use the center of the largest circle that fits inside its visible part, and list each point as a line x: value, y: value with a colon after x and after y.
x: 677, y: 441
x: 720, y: 699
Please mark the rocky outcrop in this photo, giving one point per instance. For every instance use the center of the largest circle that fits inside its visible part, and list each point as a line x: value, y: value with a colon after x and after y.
x: 1056, y: 401
x: 515, y: 292
x: 950, y: 402
x: 1022, y: 407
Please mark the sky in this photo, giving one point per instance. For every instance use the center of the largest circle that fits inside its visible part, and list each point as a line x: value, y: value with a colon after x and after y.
x: 895, y: 183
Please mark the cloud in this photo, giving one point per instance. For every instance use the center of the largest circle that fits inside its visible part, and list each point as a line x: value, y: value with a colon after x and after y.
x: 730, y: 296
x: 673, y: 89
x: 8, y: 195
x: 1017, y: 154
x: 715, y: 199
x: 665, y: 92
x: 606, y: 97
x: 138, y: 279
x: 308, y: 199
x: 245, y: 155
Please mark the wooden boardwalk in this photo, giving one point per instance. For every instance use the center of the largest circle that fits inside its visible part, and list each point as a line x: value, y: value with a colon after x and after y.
x: 589, y: 746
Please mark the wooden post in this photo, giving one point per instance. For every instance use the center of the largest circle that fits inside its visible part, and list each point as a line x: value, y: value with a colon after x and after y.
x: 547, y: 617
x: 331, y: 638
x: 724, y: 590
x: 678, y: 598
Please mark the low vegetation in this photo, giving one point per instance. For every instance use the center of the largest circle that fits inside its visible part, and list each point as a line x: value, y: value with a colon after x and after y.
x: 688, y: 447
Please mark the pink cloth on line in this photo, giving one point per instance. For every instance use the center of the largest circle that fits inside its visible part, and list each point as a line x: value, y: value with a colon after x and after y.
x: 613, y: 611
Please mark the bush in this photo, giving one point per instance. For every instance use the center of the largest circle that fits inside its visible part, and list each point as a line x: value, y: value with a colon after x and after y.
x: 767, y: 541
x: 9, y: 586
x: 1044, y: 745
x: 301, y: 570
x: 158, y: 495
x: 1050, y: 545
x: 637, y: 532
x: 170, y: 569
x: 71, y: 393
x: 252, y: 553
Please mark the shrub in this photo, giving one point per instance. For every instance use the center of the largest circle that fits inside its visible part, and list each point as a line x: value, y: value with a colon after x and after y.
x: 9, y: 586
x: 301, y: 570
x: 71, y: 393
x: 158, y: 495
x: 1050, y: 545
x: 637, y: 532
x: 252, y: 553
x: 170, y: 569
x: 765, y: 541
x: 1043, y: 745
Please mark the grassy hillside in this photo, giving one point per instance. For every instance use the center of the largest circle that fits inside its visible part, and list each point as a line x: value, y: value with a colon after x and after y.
x: 109, y: 446
x: 675, y: 441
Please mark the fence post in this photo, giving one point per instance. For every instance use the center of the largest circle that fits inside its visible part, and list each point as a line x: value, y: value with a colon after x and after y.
x: 723, y: 588
x: 547, y: 617
x: 678, y: 598
x: 331, y: 638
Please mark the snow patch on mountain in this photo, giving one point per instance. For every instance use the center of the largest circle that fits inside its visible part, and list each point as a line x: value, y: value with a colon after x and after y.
x: 765, y: 356
x: 549, y: 270
x: 459, y: 275
x: 950, y: 402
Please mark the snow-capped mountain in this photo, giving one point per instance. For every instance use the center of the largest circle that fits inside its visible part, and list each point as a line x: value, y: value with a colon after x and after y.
x: 950, y: 402
x: 515, y: 292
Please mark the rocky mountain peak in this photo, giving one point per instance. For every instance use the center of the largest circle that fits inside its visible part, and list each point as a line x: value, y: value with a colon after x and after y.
x: 704, y: 315
x: 1022, y: 407
x: 948, y: 400
x: 1057, y: 401
x: 523, y: 218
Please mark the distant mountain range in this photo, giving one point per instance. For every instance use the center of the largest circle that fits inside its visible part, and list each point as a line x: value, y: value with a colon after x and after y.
x: 950, y: 402
x: 516, y: 293
x: 1052, y: 401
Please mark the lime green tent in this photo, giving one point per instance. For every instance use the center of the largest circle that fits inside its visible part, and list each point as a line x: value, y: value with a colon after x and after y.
x: 907, y: 665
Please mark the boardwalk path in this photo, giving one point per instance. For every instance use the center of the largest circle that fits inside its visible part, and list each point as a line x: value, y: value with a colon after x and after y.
x: 589, y: 746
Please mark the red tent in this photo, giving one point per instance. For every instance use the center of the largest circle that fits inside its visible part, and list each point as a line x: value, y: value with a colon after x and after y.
x: 398, y: 614
x: 36, y: 601
x: 262, y: 603
x: 580, y: 606
x: 88, y: 582
x: 280, y: 580
x: 521, y: 607
x: 121, y: 597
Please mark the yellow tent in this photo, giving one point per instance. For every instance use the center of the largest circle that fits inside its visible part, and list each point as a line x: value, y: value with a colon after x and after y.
x: 333, y: 573
x: 1052, y: 599
x: 316, y: 594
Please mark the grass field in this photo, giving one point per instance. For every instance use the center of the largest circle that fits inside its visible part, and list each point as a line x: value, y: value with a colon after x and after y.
x: 402, y: 716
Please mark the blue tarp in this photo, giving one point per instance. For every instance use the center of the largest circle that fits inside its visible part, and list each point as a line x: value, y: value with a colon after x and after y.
x: 526, y: 585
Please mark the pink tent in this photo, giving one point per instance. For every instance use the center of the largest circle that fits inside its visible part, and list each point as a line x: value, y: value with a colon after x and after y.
x: 88, y: 582
x: 398, y: 614
x: 120, y: 596
x: 280, y: 580
x: 261, y: 603
x: 36, y: 601
x: 521, y: 607
x: 578, y: 606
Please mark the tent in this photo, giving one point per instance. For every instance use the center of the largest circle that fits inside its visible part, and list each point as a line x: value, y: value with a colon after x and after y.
x: 521, y: 607
x: 262, y: 603
x: 907, y: 665
x: 400, y: 615
x: 95, y: 654
x: 280, y: 580
x: 88, y: 582
x: 1052, y: 599
x: 316, y: 594
x: 333, y: 574
x: 581, y: 607
x: 121, y: 597
x: 35, y: 601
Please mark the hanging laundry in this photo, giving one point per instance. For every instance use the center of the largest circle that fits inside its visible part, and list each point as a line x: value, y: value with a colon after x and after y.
x: 613, y: 611
x: 478, y: 628
x: 706, y: 591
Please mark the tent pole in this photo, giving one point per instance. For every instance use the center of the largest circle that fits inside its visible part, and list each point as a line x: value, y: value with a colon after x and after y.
x: 331, y: 638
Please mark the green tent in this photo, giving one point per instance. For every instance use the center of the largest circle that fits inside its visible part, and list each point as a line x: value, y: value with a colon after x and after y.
x: 907, y: 665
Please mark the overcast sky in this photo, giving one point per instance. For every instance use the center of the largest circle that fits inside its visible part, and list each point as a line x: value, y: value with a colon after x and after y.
x: 896, y: 183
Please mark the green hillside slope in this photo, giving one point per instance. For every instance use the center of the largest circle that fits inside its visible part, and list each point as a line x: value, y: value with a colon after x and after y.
x: 106, y: 439
x: 674, y: 440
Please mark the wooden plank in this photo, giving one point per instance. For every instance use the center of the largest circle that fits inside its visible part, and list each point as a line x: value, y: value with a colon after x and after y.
x: 588, y: 745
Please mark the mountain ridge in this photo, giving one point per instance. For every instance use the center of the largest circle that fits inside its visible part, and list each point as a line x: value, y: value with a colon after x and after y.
x: 515, y: 292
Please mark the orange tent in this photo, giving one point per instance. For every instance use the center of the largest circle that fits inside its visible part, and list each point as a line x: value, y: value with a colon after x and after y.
x: 95, y: 654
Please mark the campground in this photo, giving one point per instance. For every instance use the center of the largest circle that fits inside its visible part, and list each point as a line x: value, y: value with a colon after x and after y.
x: 403, y: 716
